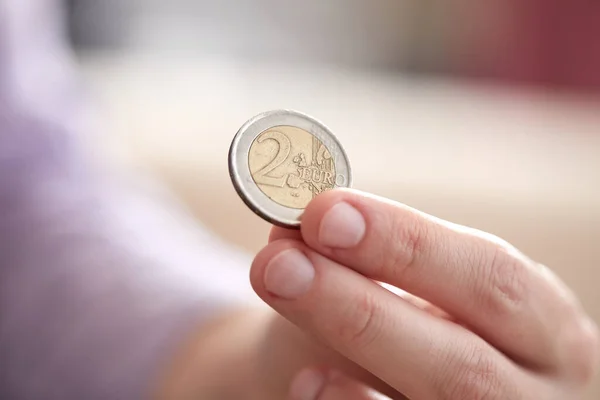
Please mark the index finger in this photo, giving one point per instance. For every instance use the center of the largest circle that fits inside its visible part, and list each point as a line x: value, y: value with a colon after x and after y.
x: 474, y: 276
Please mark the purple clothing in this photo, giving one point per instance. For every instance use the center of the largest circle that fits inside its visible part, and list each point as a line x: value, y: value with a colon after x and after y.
x: 99, y: 282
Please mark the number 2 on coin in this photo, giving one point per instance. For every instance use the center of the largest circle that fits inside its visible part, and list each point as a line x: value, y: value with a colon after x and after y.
x: 262, y: 175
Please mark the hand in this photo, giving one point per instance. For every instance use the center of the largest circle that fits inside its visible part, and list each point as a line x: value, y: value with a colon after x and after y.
x: 481, y: 320
x: 249, y: 354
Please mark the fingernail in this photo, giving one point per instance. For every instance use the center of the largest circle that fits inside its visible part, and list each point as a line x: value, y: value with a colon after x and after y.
x: 289, y: 274
x: 343, y: 226
x: 307, y: 385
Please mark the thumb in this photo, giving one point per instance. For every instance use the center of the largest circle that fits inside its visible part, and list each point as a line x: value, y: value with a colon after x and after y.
x: 315, y: 384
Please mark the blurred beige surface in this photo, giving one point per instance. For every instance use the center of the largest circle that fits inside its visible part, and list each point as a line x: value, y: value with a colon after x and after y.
x: 522, y: 165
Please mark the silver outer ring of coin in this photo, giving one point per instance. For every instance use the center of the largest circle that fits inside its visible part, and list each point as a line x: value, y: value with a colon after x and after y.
x: 240, y: 174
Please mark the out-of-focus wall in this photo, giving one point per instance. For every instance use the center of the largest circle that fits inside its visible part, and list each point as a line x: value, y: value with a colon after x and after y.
x: 551, y: 43
x: 350, y: 32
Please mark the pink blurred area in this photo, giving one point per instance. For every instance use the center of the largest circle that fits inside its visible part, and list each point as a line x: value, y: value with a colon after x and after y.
x: 551, y: 43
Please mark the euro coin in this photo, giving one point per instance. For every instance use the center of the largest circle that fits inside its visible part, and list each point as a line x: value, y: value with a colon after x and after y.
x: 280, y: 160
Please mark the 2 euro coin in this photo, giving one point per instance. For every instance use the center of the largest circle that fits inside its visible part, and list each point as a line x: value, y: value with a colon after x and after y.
x: 280, y: 160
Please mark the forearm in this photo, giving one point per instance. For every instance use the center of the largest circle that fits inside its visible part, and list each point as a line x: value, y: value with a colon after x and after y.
x: 99, y: 282
x: 98, y: 292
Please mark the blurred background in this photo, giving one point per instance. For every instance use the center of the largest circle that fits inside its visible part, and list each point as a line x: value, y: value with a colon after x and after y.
x: 483, y: 113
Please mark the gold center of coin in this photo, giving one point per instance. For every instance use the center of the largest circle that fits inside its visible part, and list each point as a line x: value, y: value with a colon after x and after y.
x: 290, y: 165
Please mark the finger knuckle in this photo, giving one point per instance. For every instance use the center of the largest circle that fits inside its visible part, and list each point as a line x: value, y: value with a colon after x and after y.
x: 506, y: 289
x: 361, y: 325
x: 474, y: 376
x: 407, y: 239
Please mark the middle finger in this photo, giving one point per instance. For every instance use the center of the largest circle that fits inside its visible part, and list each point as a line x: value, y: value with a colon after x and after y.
x: 421, y: 356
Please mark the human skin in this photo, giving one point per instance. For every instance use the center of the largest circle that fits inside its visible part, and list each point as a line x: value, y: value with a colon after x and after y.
x: 481, y: 321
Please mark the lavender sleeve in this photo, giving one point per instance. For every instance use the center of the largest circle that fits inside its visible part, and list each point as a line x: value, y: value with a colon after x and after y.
x: 100, y: 279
